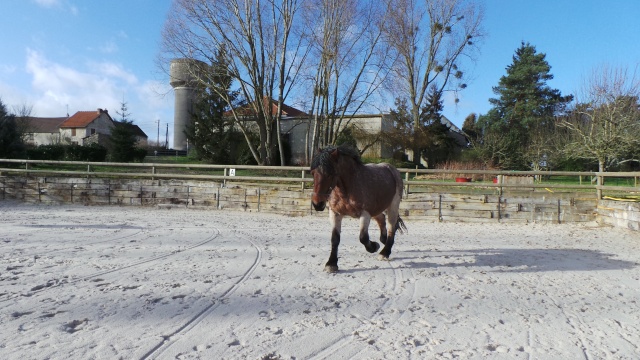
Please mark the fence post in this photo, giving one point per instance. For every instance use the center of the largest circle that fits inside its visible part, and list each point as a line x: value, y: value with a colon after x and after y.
x: 303, y: 175
x: 559, y: 217
x: 224, y: 177
x: 599, y: 183
x: 406, y: 187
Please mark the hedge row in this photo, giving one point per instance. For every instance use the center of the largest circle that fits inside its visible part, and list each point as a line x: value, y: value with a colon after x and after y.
x: 94, y: 153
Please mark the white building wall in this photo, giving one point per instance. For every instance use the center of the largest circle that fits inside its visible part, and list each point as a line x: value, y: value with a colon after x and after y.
x: 46, y: 138
x: 298, y: 128
x: 101, y: 125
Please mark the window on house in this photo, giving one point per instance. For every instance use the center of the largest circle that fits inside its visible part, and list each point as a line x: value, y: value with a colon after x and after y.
x: 73, y: 132
x: 93, y: 131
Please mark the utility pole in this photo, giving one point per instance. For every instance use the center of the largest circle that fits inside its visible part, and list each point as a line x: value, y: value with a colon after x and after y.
x: 166, y: 138
x: 158, y: 138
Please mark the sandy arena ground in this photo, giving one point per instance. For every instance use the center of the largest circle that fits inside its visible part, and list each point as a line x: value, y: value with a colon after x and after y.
x: 147, y: 283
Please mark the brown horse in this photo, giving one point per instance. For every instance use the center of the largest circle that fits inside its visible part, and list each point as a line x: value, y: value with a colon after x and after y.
x: 349, y: 187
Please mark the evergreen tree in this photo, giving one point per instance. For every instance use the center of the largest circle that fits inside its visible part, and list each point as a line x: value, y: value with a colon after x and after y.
x: 11, y: 143
x: 469, y: 127
x: 210, y: 131
x: 430, y: 137
x: 437, y: 146
x: 525, y: 105
x: 123, y: 138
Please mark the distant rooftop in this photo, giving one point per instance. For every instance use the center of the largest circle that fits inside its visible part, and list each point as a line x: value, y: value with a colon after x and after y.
x: 83, y: 118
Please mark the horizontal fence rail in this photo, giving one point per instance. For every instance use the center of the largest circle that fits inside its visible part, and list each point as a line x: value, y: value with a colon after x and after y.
x: 414, y: 179
x: 442, y: 195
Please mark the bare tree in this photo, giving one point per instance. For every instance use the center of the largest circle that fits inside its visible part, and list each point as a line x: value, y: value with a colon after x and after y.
x: 349, y: 63
x: 262, y: 53
x: 432, y: 38
x: 24, y: 121
x: 605, y: 121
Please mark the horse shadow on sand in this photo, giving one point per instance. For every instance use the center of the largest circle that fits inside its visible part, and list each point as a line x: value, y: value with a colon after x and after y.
x: 516, y: 260
x: 506, y: 260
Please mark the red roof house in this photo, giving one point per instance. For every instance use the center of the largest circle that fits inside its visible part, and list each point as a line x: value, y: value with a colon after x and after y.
x: 83, y: 124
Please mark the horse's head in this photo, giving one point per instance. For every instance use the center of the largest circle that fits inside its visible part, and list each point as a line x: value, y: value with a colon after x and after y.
x: 327, y: 166
x: 324, y: 175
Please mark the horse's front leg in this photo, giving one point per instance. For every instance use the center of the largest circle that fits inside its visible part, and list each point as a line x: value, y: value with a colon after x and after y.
x: 371, y: 246
x: 336, y: 223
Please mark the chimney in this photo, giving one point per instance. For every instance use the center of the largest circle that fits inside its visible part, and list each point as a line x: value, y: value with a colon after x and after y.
x: 99, y: 111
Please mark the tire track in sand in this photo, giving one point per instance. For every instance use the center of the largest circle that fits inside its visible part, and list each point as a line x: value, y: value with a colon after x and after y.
x: 345, y: 340
x: 170, y: 339
x: 39, y: 290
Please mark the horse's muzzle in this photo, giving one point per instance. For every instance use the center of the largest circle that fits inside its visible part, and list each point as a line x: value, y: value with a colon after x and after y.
x: 319, y: 206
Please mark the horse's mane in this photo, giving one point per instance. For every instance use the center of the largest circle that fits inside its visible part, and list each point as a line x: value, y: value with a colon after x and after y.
x: 322, y: 159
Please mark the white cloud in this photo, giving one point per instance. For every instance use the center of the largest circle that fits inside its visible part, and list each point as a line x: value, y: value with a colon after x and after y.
x: 109, y: 47
x: 7, y: 69
x: 55, y: 86
x: 115, y: 71
x: 47, y: 3
x: 57, y: 4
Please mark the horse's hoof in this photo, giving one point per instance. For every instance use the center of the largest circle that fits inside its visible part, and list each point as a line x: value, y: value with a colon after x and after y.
x: 374, y: 247
x: 383, y: 257
x: 331, y: 268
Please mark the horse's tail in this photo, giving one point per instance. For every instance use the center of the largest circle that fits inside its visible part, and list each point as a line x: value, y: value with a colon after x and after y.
x: 400, y: 226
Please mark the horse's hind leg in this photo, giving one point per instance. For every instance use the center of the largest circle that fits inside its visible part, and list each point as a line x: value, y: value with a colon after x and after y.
x: 382, y: 222
x: 392, y: 219
x: 336, y: 222
x: 371, y: 246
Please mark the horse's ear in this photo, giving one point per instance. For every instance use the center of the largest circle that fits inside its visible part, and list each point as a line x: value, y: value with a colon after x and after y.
x: 334, y: 155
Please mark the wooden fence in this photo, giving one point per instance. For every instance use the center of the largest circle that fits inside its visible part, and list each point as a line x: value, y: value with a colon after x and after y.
x: 440, y: 195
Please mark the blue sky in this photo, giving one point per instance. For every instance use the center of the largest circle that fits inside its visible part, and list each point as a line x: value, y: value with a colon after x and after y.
x: 86, y: 54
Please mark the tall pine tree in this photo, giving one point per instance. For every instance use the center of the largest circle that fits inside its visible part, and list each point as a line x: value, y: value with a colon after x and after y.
x: 11, y: 144
x: 525, y: 106
x: 210, y: 131
x: 123, y: 138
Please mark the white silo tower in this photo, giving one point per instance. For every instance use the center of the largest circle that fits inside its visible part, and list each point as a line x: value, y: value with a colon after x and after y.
x: 184, y: 81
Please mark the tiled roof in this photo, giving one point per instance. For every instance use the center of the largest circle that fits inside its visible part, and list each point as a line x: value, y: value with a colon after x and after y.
x: 287, y: 110
x: 46, y: 125
x: 82, y: 119
x: 135, y: 129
